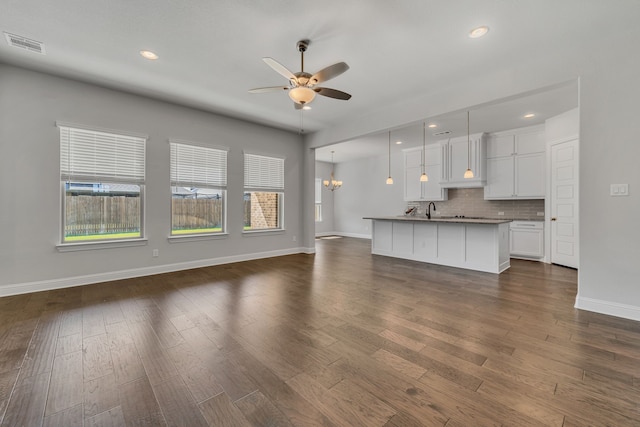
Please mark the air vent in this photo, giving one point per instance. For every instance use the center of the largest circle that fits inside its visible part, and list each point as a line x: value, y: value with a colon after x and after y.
x: 25, y: 43
x: 445, y: 132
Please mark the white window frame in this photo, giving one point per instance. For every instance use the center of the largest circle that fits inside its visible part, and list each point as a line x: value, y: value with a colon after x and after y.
x: 91, y: 154
x: 318, y: 197
x: 197, y: 165
x: 264, y: 173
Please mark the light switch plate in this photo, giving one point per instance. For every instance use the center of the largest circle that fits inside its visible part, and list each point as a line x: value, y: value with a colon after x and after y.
x: 617, y: 190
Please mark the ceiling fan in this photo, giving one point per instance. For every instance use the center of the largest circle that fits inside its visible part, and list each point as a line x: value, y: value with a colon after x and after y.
x: 302, y: 85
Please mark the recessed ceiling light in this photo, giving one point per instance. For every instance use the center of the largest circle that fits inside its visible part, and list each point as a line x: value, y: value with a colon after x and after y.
x: 433, y: 126
x: 398, y: 142
x: 148, y: 54
x: 528, y: 116
x: 478, y: 32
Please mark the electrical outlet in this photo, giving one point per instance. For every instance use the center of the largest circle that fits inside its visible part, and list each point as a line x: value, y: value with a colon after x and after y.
x: 619, y: 190
x: 156, y: 253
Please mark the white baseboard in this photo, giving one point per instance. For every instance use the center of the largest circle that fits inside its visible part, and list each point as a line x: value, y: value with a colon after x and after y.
x: 607, y: 307
x: 343, y: 234
x: 67, y: 282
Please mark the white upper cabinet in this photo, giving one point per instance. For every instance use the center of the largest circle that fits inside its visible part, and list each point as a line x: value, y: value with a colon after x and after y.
x: 414, y: 190
x: 516, y: 164
x: 458, y: 155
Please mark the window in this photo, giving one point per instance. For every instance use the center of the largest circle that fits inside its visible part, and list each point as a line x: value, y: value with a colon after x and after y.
x: 102, y: 180
x: 263, y: 192
x: 318, y: 200
x: 198, y: 189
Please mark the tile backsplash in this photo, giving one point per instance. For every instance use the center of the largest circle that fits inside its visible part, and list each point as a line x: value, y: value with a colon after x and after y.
x: 470, y: 202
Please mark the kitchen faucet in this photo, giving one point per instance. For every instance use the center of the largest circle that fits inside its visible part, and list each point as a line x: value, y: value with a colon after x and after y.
x: 429, y: 209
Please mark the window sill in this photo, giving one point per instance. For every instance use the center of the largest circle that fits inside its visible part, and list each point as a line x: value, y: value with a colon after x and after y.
x: 86, y: 246
x: 196, y: 237
x: 248, y: 233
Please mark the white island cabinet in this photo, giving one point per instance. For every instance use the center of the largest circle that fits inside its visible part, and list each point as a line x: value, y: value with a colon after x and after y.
x: 474, y: 244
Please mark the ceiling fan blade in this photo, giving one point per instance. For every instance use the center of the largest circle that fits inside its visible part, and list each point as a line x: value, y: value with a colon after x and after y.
x: 268, y: 89
x: 332, y: 93
x: 328, y: 73
x: 281, y: 69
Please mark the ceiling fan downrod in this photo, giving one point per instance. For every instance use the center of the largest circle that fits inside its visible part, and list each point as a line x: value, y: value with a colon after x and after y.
x: 302, y: 48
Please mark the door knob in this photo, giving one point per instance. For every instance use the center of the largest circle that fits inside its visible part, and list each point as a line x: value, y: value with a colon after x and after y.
x: 553, y: 218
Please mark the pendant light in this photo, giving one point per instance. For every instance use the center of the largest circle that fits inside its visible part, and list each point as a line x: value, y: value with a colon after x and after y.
x: 389, y: 179
x: 424, y: 177
x: 331, y: 183
x: 468, y: 174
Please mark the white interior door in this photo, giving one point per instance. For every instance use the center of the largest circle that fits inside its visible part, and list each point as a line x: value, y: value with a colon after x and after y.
x: 564, y: 204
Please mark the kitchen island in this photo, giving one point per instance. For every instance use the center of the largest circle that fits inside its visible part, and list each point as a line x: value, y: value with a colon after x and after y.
x: 472, y: 243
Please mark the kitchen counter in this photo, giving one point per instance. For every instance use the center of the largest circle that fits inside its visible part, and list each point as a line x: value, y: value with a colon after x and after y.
x: 441, y: 219
x: 479, y: 244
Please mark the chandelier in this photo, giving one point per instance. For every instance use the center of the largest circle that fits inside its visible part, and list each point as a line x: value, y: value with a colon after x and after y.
x: 331, y: 183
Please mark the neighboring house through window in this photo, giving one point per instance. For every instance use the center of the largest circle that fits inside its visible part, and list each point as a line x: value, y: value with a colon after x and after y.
x: 102, y: 181
x: 198, y: 188
x: 263, y: 192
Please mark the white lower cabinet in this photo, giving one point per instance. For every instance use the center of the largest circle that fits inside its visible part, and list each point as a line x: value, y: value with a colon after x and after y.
x: 481, y: 247
x: 527, y: 239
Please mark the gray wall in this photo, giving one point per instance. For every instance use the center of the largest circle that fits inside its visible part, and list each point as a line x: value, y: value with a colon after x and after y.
x: 323, y: 171
x: 609, y: 152
x: 366, y: 194
x: 30, y: 105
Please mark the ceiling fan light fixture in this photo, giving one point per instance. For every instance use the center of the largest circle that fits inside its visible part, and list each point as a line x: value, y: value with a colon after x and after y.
x: 302, y: 95
x: 478, y: 32
x: 147, y: 54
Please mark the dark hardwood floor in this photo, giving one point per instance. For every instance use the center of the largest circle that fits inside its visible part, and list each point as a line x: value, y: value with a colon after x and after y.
x: 340, y: 338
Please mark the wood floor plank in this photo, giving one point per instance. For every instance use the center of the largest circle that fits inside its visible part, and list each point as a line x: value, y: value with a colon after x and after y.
x: 220, y: 411
x: 96, y: 357
x: 92, y: 321
x: 111, y: 418
x: 27, y: 404
x: 7, y: 382
x: 42, y: 348
x: 259, y: 410
x: 360, y: 339
x: 100, y: 395
x: 69, y: 344
x: 350, y: 406
x: 139, y: 404
x: 65, y: 386
x: 409, y: 369
x: 199, y: 378
x: 70, y: 417
x: 177, y: 404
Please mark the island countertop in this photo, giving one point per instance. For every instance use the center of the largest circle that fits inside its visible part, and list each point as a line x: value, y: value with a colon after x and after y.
x: 441, y: 219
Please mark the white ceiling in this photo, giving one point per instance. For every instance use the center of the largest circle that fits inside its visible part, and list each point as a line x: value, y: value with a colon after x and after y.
x: 496, y: 116
x: 210, y: 51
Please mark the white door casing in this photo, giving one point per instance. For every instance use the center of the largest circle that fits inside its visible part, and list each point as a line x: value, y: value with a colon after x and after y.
x: 564, y: 204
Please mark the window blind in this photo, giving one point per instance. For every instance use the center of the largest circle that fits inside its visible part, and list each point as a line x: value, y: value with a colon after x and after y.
x: 87, y: 155
x: 197, y: 166
x: 263, y: 173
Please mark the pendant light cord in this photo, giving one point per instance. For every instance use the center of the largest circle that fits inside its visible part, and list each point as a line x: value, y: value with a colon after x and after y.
x: 424, y: 139
x: 468, y: 144
x: 389, y: 153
